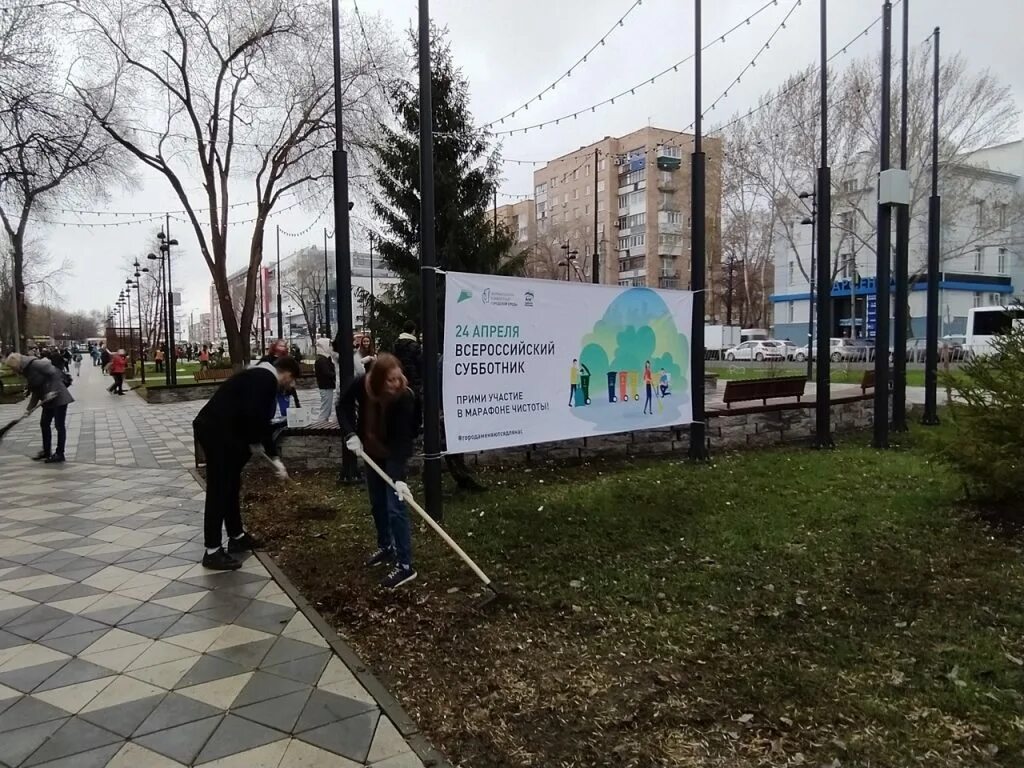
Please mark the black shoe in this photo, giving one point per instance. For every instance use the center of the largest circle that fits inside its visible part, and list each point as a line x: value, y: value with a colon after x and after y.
x: 57, y: 458
x: 220, y: 561
x: 42, y: 455
x: 379, y: 557
x: 400, y: 575
x: 245, y: 543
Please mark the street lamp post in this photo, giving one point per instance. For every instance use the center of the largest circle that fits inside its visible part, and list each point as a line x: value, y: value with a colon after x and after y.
x: 811, y: 220
x: 139, y: 269
x: 373, y: 296
x: 131, y: 325
x: 570, y: 257
x: 165, y: 247
x: 931, y: 416
x: 164, y: 314
x: 327, y: 291
x: 280, y: 319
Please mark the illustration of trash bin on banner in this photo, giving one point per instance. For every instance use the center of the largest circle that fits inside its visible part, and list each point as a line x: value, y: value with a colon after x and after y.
x: 634, y: 379
x: 583, y: 390
x: 623, y: 386
x: 612, y: 377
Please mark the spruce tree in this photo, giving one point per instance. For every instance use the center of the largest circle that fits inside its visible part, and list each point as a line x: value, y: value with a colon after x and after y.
x: 466, y: 175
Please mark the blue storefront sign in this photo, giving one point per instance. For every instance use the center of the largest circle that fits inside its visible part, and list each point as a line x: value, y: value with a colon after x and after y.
x: 872, y: 316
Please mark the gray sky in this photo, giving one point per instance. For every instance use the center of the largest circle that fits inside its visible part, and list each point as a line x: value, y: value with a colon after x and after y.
x: 511, y: 51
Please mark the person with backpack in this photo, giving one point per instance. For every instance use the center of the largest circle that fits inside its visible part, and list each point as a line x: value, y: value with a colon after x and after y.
x: 384, y: 429
x: 118, y: 365
x: 48, y: 386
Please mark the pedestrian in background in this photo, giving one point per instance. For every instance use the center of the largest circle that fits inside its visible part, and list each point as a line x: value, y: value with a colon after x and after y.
x: 105, y: 360
x: 78, y: 363
x: 118, y: 364
x: 46, y: 384
x: 158, y: 358
x: 324, y: 370
x: 364, y: 355
x: 204, y: 358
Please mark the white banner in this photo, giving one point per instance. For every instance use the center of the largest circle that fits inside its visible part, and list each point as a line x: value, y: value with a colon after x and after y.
x: 531, y: 361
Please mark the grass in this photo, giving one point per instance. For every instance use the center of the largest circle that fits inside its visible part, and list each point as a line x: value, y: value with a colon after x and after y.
x: 777, y: 608
x: 846, y: 374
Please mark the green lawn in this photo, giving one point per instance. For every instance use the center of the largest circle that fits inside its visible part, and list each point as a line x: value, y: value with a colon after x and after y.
x: 841, y: 373
x: 786, y: 607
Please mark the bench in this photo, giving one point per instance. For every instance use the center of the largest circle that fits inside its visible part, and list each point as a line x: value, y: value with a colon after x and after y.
x: 867, y: 381
x: 742, y: 390
x: 213, y: 374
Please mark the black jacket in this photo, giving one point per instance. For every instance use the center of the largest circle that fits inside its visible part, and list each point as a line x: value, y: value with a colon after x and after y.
x: 240, y: 411
x: 409, y: 354
x: 323, y: 368
x: 399, y: 421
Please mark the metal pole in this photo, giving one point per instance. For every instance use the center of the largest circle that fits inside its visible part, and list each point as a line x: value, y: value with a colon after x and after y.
x: 698, y: 448
x: 931, y: 366
x: 327, y: 291
x: 131, y: 328
x: 495, y: 214
x: 595, y: 263
x: 263, y: 312
x: 373, y: 296
x: 142, y: 347
x: 172, y: 356
x: 431, y: 377
x: 166, y: 292
x: 280, y: 315
x: 823, y: 204
x: 811, y: 280
x: 883, y: 255
x: 899, y: 347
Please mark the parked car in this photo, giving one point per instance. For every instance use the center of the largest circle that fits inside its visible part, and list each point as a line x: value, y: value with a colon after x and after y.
x: 851, y: 350
x: 757, y: 350
x: 916, y: 350
x: 954, y: 345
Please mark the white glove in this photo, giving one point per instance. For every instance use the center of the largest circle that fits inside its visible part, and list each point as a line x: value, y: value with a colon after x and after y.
x: 402, y: 491
x: 354, y: 444
x: 257, y: 449
x: 279, y: 470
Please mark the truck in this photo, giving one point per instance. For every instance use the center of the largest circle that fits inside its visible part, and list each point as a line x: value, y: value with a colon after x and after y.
x: 718, y: 338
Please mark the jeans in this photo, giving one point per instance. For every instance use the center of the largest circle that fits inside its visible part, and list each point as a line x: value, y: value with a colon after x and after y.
x: 118, y: 385
x: 58, y: 415
x: 389, y: 513
x: 326, y: 405
x: 222, y: 510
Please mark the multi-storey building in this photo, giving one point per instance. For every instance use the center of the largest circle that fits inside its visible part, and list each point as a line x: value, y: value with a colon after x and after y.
x: 520, y: 218
x: 982, y: 258
x: 633, y: 191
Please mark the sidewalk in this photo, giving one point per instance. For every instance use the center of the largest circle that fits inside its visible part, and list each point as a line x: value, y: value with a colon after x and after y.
x: 118, y: 649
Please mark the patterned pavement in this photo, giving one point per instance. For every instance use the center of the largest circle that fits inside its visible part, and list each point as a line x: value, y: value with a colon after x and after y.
x: 118, y: 649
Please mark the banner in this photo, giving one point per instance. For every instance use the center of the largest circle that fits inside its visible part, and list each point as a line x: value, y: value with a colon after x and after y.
x: 532, y: 361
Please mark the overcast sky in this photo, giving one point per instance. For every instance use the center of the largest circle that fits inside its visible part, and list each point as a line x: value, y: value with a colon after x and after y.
x: 510, y: 51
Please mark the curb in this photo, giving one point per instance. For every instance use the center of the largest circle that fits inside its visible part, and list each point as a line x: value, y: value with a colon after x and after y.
x: 388, y: 704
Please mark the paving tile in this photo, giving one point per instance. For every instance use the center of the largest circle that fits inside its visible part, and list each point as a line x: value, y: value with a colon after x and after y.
x: 7, y: 640
x: 263, y: 686
x: 37, y: 629
x: 248, y: 655
x: 74, y: 672
x: 299, y: 623
x: 148, y: 611
x: 175, y: 710
x: 267, y: 756
x: 159, y: 652
x: 387, y: 742
x: 137, y: 756
x: 286, y: 649
x: 72, y: 738
x: 235, y: 735
x: 324, y: 707
x: 76, y: 625
x: 349, y: 738
x: 153, y: 628
x: 74, y: 644
x: 266, y: 617
x: 73, y: 698
x: 25, y: 679
x: 165, y: 675
x: 18, y: 744
x: 183, y: 603
x: 181, y: 743
x: 36, y: 615
x: 405, y: 760
x: 121, y: 691
x: 28, y: 711
x: 218, y: 693
x: 305, y: 670
x: 123, y: 719
x: 7, y: 697
x: 210, y: 668
x: 30, y: 655
x: 117, y: 638
x: 235, y: 635
x: 299, y: 754
x: 191, y: 625
x: 94, y: 758
x: 281, y: 713
x: 349, y: 688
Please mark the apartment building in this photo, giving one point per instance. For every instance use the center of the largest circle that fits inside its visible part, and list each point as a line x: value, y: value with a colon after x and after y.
x: 981, y: 254
x: 521, y: 219
x: 634, y: 192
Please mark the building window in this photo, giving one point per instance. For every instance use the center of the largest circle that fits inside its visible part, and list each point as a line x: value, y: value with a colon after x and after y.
x: 665, y: 177
x: 576, y: 194
x: 600, y: 165
x: 1002, y: 215
x: 980, y: 212
x: 540, y: 190
x: 792, y: 272
x: 586, y: 210
x: 673, y: 217
x: 634, y: 177
x: 575, y: 213
x: 600, y: 204
x: 672, y: 151
x: 554, y: 182
x: 979, y: 259
x: 977, y: 300
x: 587, y: 172
x: 848, y: 186
x: 1002, y: 261
x: 637, y: 240
x: 600, y: 186
x: 791, y: 311
x: 624, y: 243
x: 575, y: 174
x: 846, y: 221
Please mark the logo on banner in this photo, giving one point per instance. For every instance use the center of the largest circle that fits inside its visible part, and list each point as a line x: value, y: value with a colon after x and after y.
x: 465, y: 295
x: 528, y: 299
x: 498, y: 298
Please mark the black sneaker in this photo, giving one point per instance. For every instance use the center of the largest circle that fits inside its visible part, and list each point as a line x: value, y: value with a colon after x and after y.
x: 401, y: 574
x: 220, y: 561
x: 245, y: 543
x: 41, y: 456
x: 379, y: 557
x: 57, y: 458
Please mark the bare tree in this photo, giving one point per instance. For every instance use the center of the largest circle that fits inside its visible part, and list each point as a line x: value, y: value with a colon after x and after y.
x: 50, y: 148
x: 245, y: 91
x: 772, y: 158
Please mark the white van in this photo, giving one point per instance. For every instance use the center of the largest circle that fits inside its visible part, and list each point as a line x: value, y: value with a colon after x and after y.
x: 985, y: 323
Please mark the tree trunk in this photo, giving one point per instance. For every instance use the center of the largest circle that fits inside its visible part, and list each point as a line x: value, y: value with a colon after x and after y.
x: 20, y: 305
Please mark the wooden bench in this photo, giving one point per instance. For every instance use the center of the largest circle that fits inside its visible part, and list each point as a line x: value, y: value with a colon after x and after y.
x: 213, y: 374
x: 867, y: 381
x: 742, y: 390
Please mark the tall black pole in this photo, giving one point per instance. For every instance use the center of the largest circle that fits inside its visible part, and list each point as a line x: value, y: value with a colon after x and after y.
x: 931, y: 365
x: 883, y: 254
x: 167, y: 317
x: 373, y: 296
x: 813, y: 279
x: 342, y: 246
x: 142, y: 348
x: 595, y: 263
x: 901, y: 310
x: 495, y: 214
x: 263, y: 314
x: 698, y: 449
x: 131, y: 327
x: 823, y: 202
x: 172, y: 356
x: 431, y: 348
x: 327, y: 291
x: 277, y: 275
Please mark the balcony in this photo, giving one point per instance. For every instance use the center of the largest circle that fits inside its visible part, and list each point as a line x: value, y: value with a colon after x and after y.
x: 669, y: 283
x: 667, y: 159
x: 667, y: 185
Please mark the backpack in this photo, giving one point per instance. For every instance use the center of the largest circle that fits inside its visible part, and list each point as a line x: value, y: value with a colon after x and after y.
x: 65, y: 377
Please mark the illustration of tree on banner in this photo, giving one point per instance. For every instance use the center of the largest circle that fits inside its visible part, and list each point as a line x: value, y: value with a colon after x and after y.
x: 463, y: 189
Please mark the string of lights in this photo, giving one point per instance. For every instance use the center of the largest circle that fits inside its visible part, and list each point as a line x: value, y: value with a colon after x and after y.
x: 645, y: 82
x: 312, y: 224
x: 568, y: 73
x: 115, y: 214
